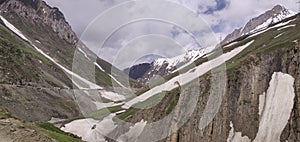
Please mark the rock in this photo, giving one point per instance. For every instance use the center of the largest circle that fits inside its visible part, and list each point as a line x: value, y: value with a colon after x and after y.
x: 41, y: 13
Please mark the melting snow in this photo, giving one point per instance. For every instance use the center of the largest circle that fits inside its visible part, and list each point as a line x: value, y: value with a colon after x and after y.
x: 85, y: 55
x: 99, y: 66
x: 112, y: 96
x: 278, y: 35
x: 283, y: 15
x: 236, y: 136
x: 233, y: 43
x: 261, y: 103
x: 288, y: 26
x: 187, y: 77
x: 277, y: 108
x: 91, y: 130
x: 133, y: 133
x: 101, y: 105
x: 13, y: 28
x: 276, y: 26
x: 112, y: 77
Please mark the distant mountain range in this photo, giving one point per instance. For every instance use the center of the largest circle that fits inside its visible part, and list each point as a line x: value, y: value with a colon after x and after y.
x: 165, y: 66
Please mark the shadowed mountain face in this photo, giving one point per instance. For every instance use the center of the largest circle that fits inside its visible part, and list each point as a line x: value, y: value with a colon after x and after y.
x: 137, y: 71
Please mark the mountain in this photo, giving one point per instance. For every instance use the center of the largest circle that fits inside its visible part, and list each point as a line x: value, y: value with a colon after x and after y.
x: 138, y: 71
x: 248, y: 92
x: 252, y: 96
x: 40, y: 79
x: 163, y: 67
x: 38, y: 12
x: 276, y: 14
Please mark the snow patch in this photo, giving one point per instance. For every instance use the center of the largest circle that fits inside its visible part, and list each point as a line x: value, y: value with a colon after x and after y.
x: 85, y: 55
x: 261, y: 103
x: 266, y: 29
x: 281, y: 16
x: 97, y: 65
x: 13, y: 28
x: 111, y: 76
x: 278, y: 35
x: 91, y: 130
x: 236, y: 136
x: 112, y: 96
x: 133, y: 133
x: 233, y: 43
x: 101, y: 105
x: 277, y: 107
x: 288, y: 26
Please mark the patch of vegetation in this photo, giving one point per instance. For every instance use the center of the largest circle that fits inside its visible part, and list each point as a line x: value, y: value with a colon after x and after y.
x: 172, y: 104
x: 3, y: 113
x: 129, y: 112
x: 101, y: 113
x: 58, y: 134
x: 150, y: 101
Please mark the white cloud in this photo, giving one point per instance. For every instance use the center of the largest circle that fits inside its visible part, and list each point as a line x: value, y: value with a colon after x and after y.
x: 80, y: 13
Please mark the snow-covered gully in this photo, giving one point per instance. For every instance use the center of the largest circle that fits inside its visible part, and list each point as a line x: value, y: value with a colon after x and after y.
x: 275, y: 107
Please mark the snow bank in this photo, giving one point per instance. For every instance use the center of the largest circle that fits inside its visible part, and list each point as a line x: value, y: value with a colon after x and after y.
x: 277, y: 107
x: 133, y: 133
x: 236, y: 136
x: 91, y: 130
x: 101, y: 105
x: 112, y: 96
x: 288, y: 26
x: 13, y: 28
x: 188, y: 76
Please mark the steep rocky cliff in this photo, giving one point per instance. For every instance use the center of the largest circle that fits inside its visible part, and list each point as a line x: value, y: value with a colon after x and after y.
x: 38, y: 12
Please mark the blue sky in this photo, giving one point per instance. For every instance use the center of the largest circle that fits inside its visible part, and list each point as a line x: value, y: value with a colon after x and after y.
x: 221, y: 16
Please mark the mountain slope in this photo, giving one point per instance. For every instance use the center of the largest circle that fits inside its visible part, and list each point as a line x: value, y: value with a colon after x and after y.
x: 268, y: 63
x: 262, y: 84
x: 38, y: 61
x: 165, y: 66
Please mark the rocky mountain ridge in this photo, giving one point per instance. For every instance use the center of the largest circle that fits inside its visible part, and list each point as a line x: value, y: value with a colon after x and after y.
x: 40, y: 13
x: 276, y: 14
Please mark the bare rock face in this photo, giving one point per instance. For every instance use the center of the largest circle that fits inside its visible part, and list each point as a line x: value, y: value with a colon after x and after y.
x: 276, y: 14
x: 39, y: 12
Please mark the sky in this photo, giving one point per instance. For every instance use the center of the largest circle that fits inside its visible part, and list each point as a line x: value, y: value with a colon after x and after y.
x: 94, y: 21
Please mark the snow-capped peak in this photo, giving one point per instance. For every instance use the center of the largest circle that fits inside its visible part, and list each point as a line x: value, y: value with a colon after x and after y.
x: 179, y: 60
x: 277, y: 17
x: 276, y: 14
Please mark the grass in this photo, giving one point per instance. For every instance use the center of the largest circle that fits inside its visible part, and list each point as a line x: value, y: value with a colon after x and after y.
x: 101, y: 113
x: 265, y: 43
x: 153, y: 100
x: 7, y: 37
x: 58, y: 134
x: 3, y: 113
x: 129, y: 112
